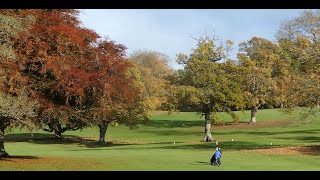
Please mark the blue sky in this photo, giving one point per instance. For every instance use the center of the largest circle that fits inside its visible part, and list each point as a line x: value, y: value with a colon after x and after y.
x: 170, y: 31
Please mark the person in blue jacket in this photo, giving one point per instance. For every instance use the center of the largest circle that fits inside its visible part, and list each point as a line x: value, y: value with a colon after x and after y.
x: 218, y: 156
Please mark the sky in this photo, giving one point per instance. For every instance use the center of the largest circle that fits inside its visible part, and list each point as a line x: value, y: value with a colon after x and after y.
x: 170, y: 31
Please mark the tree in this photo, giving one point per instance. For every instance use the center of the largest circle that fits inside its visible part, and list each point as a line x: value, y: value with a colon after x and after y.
x: 119, y: 98
x: 256, y: 60
x: 154, y: 69
x: 17, y: 107
x: 56, y: 56
x: 205, y: 85
x: 282, y: 77
x: 70, y: 70
x: 299, y: 41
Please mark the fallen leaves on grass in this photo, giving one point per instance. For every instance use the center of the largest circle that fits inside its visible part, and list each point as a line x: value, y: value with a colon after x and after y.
x: 302, y: 150
x: 47, y: 163
x: 261, y: 124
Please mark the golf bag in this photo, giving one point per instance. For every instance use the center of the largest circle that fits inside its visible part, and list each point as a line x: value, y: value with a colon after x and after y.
x: 213, y: 159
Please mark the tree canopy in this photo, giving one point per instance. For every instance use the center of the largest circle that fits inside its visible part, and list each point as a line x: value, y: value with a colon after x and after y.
x: 256, y: 59
x: 154, y: 68
x: 59, y: 73
x: 206, y: 86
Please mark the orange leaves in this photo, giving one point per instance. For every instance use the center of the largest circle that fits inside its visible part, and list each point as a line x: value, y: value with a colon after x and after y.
x: 69, y: 69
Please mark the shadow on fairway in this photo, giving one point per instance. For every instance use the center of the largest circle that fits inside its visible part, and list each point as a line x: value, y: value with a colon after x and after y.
x: 174, y: 124
x: 171, y: 142
x: 308, y: 139
x: 43, y: 138
x: 11, y: 158
x: 95, y: 144
x: 200, y: 163
x: 203, y: 163
x: 169, y: 132
x: 311, y: 150
x: 260, y: 132
x: 24, y: 157
x: 227, y: 145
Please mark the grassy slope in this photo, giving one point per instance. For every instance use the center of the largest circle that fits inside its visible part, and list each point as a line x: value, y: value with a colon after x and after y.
x: 151, y: 146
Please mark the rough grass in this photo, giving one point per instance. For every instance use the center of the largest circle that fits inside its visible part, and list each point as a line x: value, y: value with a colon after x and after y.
x: 295, y: 146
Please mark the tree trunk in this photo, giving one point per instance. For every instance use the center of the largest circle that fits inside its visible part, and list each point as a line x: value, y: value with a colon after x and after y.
x: 57, y: 135
x: 3, y: 152
x: 58, y: 131
x: 253, y: 114
x: 103, y: 129
x: 207, y: 136
x: 281, y: 105
x: 318, y: 104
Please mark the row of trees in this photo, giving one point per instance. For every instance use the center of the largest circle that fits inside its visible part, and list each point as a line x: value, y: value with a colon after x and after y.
x: 285, y: 73
x: 58, y: 75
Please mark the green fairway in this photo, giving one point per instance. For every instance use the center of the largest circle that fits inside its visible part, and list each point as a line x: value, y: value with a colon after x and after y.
x: 152, y: 147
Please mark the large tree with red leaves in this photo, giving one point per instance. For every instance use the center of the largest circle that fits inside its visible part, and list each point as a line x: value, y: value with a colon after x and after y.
x: 56, y: 57
x: 120, y: 98
x: 77, y: 79
x: 16, y: 107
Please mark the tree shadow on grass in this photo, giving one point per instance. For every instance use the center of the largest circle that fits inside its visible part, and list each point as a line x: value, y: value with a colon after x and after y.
x: 259, y: 132
x: 191, y: 123
x: 311, y: 150
x: 168, y: 142
x: 247, y: 131
x: 232, y: 123
x: 95, y: 144
x: 303, y: 139
x: 21, y: 137
x: 24, y: 157
x: 227, y: 145
x: 111, y: 144
x: 170, y: 132
x: 10, y: 158
x: 42, y: 138
x: 174, y: 123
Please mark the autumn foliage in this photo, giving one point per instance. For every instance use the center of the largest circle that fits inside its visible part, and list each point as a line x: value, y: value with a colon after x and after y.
x: 70, y: 71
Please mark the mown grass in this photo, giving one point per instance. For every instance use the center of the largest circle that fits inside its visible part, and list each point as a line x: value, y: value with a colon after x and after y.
x: 151, y: 147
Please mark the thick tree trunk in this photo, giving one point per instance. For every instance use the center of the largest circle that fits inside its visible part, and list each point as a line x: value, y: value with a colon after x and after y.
x: 281, y: 105
x: 102, y: 132
x: 57, y: 135
x: 3, y: 152
x: 318, y: 104
x: 207, y: 136
x: 253, y: 114
x: 58, y: 131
